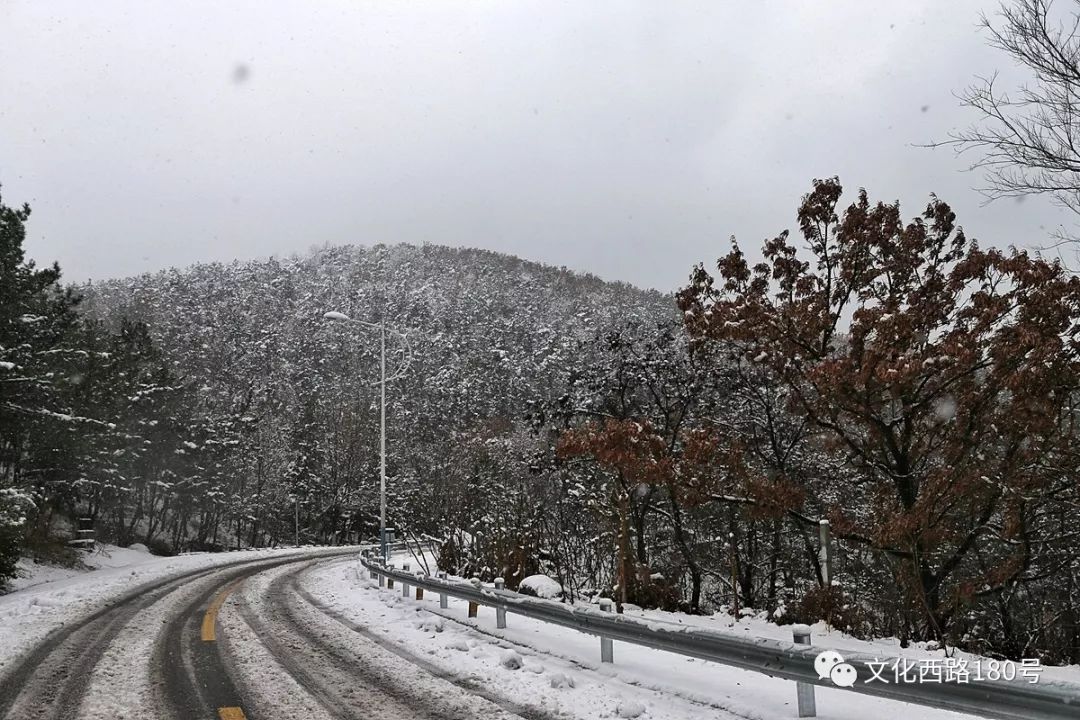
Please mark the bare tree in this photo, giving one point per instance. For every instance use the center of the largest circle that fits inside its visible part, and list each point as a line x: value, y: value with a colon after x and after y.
x: 1027, y: 138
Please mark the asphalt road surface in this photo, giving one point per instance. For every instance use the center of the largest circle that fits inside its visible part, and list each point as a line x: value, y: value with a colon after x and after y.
x: 234, y: 642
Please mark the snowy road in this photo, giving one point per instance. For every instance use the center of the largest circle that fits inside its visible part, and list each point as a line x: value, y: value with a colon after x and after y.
x: 151, y: 653
x: 304, y: 635
x: 244, y: 641
x: 345, y: 669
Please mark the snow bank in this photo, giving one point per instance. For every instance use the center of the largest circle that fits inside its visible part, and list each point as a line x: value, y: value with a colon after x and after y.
x: 30, y: 573
x: 821, y: 634
x: 509, y: 666
x: 562, y: 680
x: 541, y: 586
x: 574, y: 682
x: 510, y: 660
x: 430, y: 624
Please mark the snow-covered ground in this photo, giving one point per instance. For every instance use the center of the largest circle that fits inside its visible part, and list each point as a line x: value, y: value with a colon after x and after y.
x: 758, y: 626
x: 31, y: 573
x: 48, y: 597
x: 559, y: 669
x: 297, y: 661
x: 516, y: 665
x: 554, y: 672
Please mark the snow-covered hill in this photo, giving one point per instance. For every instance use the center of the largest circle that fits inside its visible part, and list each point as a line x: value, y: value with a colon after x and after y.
x: 287, y: 402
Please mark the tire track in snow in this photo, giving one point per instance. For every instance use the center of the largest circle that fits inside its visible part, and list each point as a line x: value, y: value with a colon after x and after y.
x: 705, y: 704
x: 190, y: 668
x: 465, y: 683
x: 302, y: 635
x: 53, y: 679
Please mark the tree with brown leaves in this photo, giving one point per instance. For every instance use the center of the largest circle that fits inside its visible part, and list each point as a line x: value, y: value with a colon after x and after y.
x: 944, y: 373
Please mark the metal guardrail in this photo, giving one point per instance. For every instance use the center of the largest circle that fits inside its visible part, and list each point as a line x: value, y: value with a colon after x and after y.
x: 1001, y: 700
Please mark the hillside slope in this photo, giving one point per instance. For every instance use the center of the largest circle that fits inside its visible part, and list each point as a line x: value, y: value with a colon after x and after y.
x: 489, y: 333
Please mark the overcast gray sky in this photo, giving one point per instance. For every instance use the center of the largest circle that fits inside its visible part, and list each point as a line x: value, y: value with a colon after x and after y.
x: 627, y: 139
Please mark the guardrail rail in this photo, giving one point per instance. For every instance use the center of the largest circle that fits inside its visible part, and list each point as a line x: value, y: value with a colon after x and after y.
x: 998, y: 699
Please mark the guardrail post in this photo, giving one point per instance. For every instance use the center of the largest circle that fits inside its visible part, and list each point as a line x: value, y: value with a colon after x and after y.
x: 607, y: 652
x: 473, y: 607
x: 419, y: 592
x: 390, y: 580
x: 804, y: 691
x: 500, y: 612
x: 405, y: 585
x: 442, y: 595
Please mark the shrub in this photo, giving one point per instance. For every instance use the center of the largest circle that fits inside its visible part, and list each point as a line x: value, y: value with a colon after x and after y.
x: 14, y: 509
x: 9, y: 552
x: 829, y: 604
x: 157, y: 546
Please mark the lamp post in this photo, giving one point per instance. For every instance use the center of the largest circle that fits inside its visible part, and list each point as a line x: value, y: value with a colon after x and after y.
x: 381, y: 327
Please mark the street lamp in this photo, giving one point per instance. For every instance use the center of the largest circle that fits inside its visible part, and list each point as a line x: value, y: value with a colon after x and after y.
x: 381, y: 327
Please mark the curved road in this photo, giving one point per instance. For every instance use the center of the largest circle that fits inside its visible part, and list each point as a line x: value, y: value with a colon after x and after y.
x: 238, y: 641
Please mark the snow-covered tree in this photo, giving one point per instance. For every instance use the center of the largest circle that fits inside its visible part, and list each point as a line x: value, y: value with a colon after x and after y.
x: 36, y: 315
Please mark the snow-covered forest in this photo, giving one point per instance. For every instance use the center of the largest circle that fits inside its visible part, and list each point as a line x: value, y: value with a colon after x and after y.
x: 673, y: 452
x: 289, y: 401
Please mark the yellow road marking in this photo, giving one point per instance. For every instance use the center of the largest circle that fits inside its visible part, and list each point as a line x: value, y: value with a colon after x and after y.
x: 209, y: 630
x: 231, y: 713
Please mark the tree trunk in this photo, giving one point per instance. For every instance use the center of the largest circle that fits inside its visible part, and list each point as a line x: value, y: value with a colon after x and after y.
x: 774, y: 558
x: 688, y: 555
x: 623, y: 550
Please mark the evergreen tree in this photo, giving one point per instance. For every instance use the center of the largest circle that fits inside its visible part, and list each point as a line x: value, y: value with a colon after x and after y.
x: 36, y: 316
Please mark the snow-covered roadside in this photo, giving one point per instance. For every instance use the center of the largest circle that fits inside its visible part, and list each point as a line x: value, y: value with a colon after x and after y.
x: 664, y: 685
x: 758, y: 625
x: 545, y: 673
x: 27, y: 616
x: 31, y: 573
